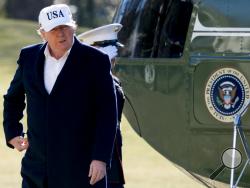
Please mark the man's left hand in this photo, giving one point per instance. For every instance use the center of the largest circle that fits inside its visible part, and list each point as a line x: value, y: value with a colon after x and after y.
x: 97, y: 171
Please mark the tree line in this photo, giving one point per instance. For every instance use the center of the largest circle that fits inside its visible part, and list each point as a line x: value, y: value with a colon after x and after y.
x: 90, y: 13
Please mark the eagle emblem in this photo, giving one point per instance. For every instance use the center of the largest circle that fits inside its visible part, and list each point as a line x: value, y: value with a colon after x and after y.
x: 227, y: 95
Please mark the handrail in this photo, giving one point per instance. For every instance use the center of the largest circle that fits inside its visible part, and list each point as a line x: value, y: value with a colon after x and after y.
x: 238, y: 130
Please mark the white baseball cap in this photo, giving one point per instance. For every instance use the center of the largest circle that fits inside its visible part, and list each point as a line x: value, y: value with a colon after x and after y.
x: 55, y: 15
x: 102, y: 36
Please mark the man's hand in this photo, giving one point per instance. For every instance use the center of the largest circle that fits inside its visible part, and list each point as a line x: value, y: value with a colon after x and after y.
x: 97, y: 171
x: 20, y: 143
x: 111, y: 51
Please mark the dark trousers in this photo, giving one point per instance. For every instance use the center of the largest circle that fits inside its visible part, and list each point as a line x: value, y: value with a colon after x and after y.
x: 38, y: 183
x: 115, y: 185
x: 43, y: 183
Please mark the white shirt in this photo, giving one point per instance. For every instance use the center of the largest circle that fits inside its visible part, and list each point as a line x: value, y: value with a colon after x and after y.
x: 52, y: 68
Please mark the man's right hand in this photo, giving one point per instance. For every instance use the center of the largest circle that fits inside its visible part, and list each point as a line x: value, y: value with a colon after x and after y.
x: 20, y: 143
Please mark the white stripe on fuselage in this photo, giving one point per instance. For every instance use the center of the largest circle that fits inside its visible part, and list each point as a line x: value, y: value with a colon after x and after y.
x: 201, y: 30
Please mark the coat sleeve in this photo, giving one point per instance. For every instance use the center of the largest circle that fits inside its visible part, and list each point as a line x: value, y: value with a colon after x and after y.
x: 106, y: 112
x: 120, y: 97
x: 13, y: 106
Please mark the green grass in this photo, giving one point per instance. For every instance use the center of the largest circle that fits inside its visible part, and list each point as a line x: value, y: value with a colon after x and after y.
x: 14, y: 35
x: 10, y: 159
x: 143, y: 166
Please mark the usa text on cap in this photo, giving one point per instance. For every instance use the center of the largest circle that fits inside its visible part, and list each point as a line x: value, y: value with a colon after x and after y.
x: 102, y: 36
x: 55, y: 15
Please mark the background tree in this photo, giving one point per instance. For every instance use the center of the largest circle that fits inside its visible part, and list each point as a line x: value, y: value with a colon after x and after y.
x: 85, y: 12
x: 25, y: 9
x: 2, y: 9
x: 93, y: 13
x: 88, y: 13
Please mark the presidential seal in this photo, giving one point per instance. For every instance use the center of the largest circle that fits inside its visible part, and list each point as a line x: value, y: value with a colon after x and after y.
x: 226, y: 93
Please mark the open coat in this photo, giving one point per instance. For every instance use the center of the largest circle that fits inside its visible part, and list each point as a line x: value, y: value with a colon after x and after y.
x: 69, y: 127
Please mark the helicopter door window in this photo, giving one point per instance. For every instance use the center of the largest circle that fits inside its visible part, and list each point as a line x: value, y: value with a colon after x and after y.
x: 139, y: 19
x: 174, y: 30
x: 153, y: 28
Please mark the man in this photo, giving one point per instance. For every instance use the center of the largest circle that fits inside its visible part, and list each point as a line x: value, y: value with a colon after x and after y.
x: 105, y: 39
x: 71, y: 108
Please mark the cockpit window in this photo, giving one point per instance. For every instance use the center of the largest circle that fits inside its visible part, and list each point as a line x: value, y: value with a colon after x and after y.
x: 153, y: 28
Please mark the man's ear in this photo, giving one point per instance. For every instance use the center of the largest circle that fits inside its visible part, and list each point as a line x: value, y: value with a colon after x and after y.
x: 42, y: 34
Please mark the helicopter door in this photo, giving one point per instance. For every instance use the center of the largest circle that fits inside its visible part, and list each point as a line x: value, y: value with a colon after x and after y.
x: 152, y: 68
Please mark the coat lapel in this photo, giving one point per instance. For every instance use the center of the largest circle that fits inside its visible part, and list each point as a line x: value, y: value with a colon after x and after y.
x: 39, y: 70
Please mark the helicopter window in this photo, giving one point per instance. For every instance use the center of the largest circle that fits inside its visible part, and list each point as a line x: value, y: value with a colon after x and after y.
x: 174, y: 30
x: 153, y: 28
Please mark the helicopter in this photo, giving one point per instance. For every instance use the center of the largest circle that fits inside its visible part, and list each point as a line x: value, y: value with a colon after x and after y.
x: 185, y: 70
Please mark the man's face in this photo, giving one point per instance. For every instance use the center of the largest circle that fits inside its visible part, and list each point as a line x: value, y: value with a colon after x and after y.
x: 59, y: 39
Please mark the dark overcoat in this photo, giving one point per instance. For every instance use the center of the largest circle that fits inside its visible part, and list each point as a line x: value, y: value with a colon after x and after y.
x: 71, y: 126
